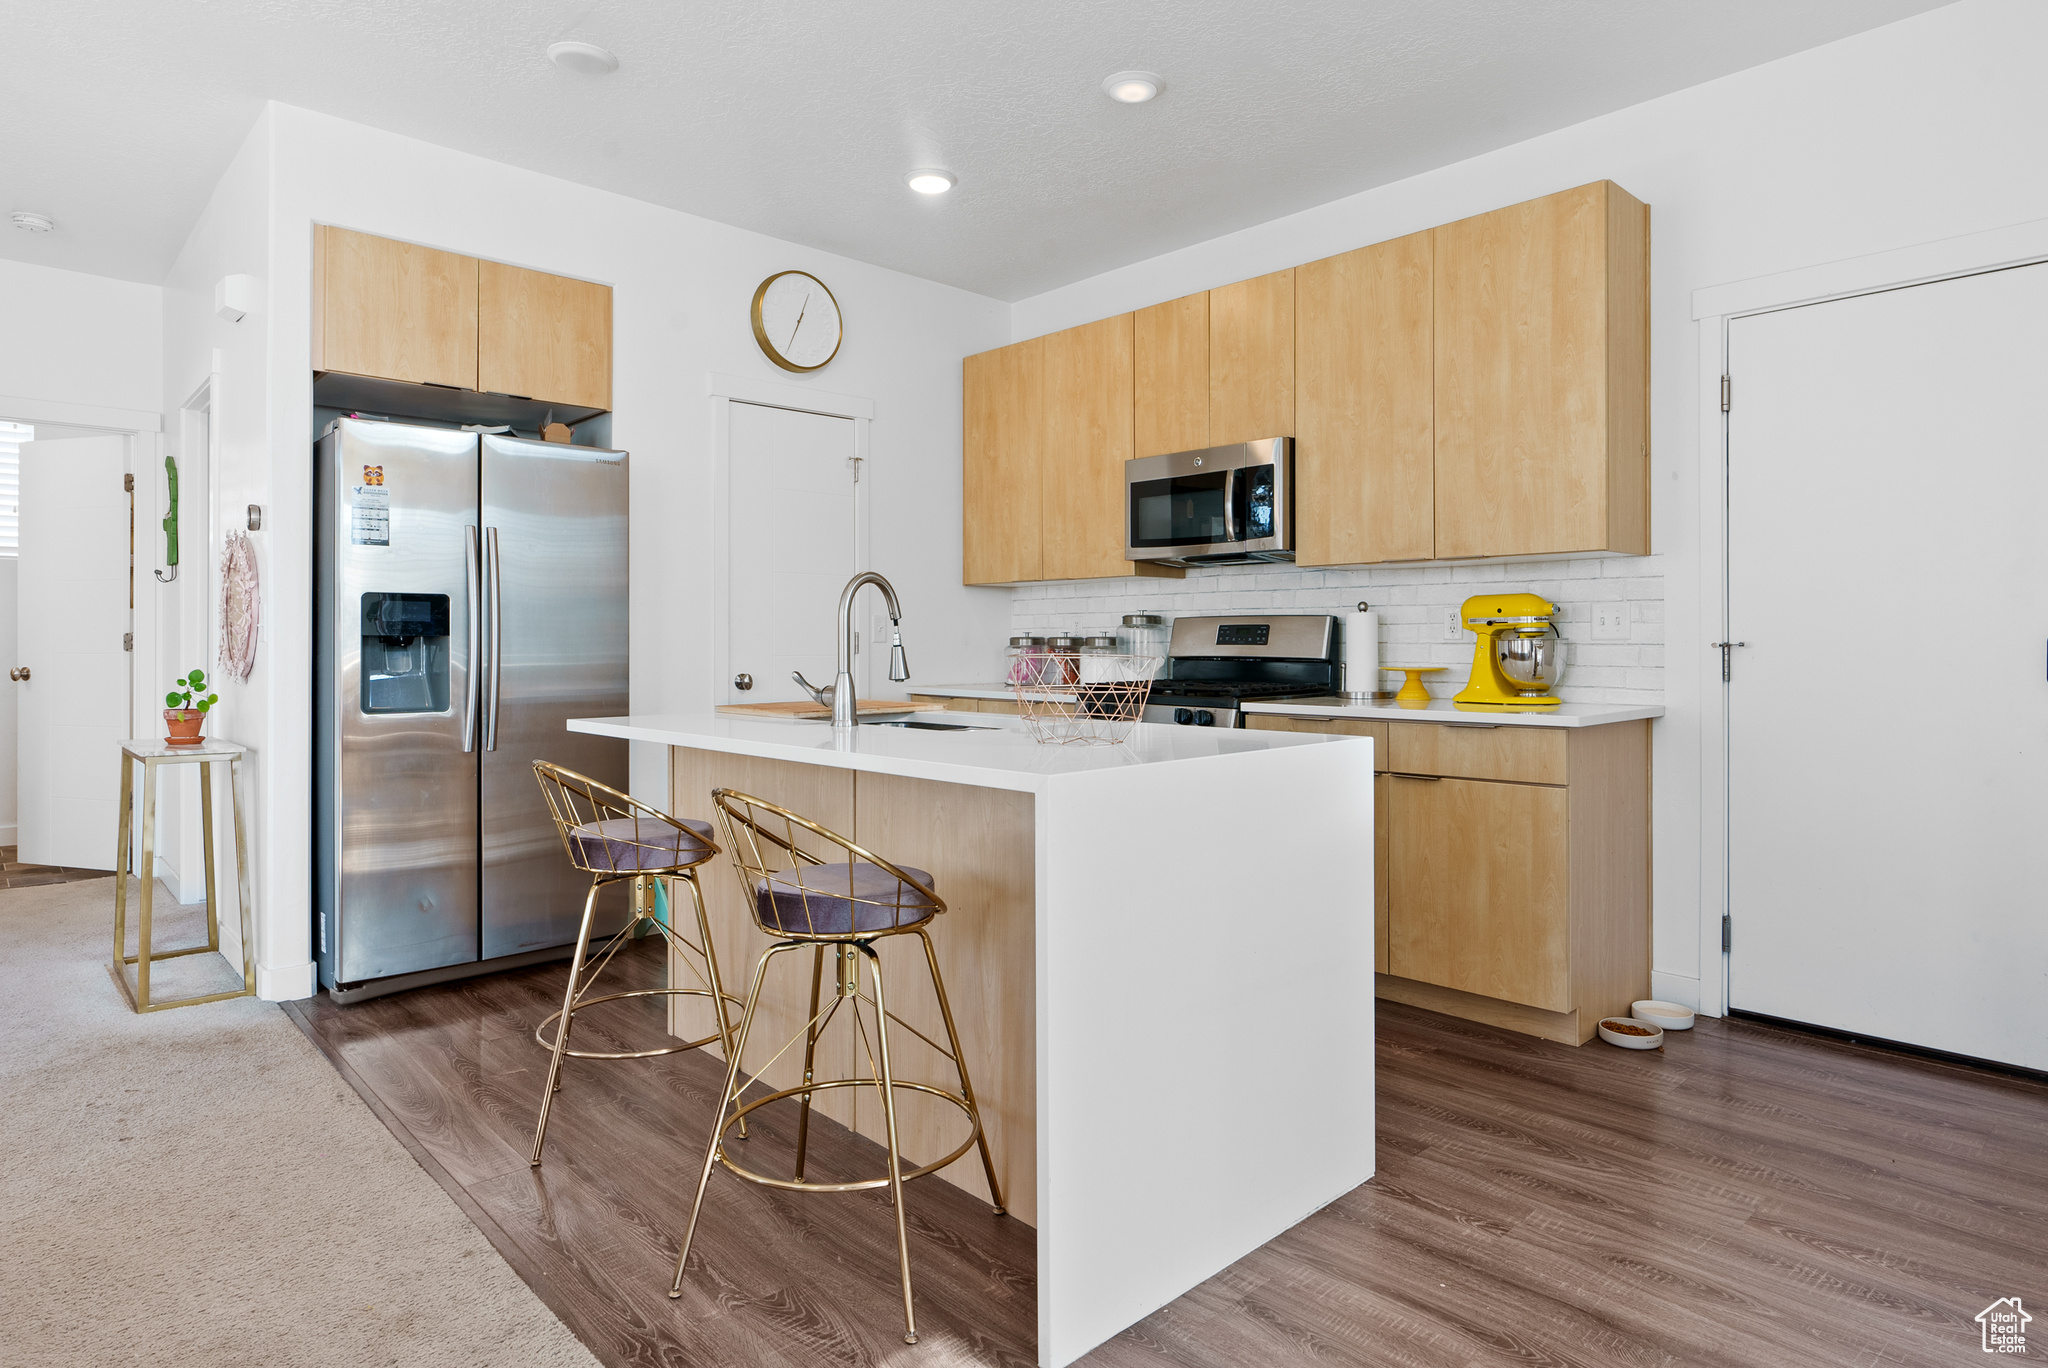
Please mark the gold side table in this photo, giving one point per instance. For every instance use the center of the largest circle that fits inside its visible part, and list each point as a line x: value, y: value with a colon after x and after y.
x: 152, y: 754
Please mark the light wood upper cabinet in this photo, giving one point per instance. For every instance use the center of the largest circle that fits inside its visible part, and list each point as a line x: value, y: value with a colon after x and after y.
x: 1086, y: 440
x: 543, y: 336
x: 393, y: 310
x: 1172, y: 376
x: 1251, y: 359
x: 1003, y: 393
x: 1364, y: 452
x: 1542, y: 377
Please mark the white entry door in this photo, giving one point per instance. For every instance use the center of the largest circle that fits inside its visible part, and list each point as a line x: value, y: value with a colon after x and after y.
x: 792, y: 523
x: 73, y: 707
x: 1888, y: 716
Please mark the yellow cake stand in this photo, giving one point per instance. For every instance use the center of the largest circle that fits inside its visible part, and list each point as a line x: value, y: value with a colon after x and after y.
x: 1412, y: 694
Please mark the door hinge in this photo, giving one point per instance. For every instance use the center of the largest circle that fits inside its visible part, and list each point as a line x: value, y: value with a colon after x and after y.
x: 127, y: 641
x: 1727, y: 389
x: 1724, y: 933
x: 853, y: 463
x: 128, y: 484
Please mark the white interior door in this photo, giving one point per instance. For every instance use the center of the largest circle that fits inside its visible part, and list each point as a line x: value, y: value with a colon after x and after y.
x: 792, y: 522
x: 1888, y: 717
x: 73, y: 606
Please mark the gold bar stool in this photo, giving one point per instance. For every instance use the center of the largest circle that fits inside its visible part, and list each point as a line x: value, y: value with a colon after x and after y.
x: 800, y: 898
x: 613, y: 836
x: 152, y: 755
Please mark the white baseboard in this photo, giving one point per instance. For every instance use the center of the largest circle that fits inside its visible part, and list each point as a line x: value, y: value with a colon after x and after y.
x: 287, y: 983
x: 1679, y: 988
x: 8, y: 834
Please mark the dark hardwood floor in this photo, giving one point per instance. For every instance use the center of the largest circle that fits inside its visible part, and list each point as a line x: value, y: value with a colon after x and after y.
x: 14, y: 874
x: 1748, y: 1196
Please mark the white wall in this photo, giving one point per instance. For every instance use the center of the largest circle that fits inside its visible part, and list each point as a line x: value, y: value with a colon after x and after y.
x: 74, y: 340
x: 1929, y: 128
x: 682, y: 289
x: 74, y: 349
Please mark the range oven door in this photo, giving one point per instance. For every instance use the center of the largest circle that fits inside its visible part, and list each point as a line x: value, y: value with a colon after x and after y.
x: 1230, y: 503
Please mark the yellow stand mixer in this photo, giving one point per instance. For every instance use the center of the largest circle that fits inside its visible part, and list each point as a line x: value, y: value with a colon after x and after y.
x: 1520, y: 655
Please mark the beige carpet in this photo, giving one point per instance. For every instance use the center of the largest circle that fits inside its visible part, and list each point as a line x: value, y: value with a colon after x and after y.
x: 199, y: 1187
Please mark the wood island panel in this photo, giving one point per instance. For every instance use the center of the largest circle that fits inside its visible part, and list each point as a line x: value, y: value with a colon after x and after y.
x: 1609, y: 854
x: 979, y: 846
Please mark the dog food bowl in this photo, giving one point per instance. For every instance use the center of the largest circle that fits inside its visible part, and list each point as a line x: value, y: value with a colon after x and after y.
x: 1631, y: 1034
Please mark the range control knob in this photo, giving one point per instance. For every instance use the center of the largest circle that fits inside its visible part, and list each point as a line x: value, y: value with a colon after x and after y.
x: 1183, y: 717
x: 1205, y: 718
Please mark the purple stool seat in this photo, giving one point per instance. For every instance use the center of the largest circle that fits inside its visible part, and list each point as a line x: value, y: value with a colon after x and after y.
x: 820, y: 906
x: 621, y: 845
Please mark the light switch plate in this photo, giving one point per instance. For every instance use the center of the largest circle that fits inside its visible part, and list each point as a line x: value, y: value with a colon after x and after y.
x: 1610, y: 621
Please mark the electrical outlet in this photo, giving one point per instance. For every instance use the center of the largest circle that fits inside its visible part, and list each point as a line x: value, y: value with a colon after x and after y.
x: 1454, y: 625
x: 1610, y: 621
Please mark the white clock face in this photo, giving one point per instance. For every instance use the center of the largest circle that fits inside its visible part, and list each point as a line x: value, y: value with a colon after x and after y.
x: 796, y: 321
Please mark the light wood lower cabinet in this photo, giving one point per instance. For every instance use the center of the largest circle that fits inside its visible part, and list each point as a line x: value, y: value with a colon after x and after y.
x: 1511, y: 868
x: 1477, y: 871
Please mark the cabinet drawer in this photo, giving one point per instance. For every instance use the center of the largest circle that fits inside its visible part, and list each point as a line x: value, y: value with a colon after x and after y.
x: 1327, y: 726
x: 1526, y: 755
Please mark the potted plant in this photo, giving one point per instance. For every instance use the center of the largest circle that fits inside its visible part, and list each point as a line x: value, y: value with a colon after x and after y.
x: 185, y: 709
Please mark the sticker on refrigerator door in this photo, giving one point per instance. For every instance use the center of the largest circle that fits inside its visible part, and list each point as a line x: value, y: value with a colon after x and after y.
x: 370, y: 510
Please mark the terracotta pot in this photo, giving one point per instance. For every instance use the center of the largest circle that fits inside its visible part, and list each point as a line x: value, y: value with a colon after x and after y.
x: 184, y: 724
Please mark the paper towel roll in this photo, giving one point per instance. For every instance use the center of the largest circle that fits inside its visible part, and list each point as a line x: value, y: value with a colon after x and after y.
x: 1362, y: 653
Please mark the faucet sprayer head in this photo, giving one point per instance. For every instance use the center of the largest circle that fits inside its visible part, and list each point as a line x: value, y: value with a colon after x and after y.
x: 899, y: 664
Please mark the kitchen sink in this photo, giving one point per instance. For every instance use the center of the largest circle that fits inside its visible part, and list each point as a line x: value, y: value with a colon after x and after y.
x: 917, y: 723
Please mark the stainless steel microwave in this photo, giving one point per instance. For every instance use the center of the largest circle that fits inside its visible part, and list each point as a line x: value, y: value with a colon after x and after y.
x: 1209, y: 507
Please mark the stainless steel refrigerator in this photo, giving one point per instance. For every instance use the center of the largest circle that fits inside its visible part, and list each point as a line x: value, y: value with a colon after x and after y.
x: 471, y: 599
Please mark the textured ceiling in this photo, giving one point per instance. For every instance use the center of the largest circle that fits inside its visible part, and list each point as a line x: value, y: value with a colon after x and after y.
x: 800, y: 119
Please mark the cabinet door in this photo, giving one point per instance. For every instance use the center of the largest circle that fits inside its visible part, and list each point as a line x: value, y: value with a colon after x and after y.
x: 1382, y: 798
x: 1002, y: 393
x: 1542, y: 377
x: 393, y: 310
x: 543, y: 336
x: 1087, y: 418
x: 1477, y: 888
x: 1171, y: 342
x: 1251, y: 359
x: 1364, y: 452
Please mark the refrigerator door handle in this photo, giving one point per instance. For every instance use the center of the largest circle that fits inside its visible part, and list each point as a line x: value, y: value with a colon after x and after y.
x: 491, y: 575
x: 475, y: 687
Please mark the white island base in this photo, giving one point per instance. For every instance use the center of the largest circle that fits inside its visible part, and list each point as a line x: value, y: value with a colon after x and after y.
x: 1159, y: 956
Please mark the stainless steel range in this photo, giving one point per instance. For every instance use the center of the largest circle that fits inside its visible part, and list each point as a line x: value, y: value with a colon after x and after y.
x: 1215, y: 663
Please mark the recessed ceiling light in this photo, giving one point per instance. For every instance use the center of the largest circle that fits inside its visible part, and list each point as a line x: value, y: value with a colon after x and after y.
x: 32, y: 222
x: 931, y: 181
x: 585, y: 59
x: 1131, y: 87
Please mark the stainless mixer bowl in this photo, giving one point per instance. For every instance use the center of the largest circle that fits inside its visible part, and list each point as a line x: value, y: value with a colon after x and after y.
x: 1533, y: 662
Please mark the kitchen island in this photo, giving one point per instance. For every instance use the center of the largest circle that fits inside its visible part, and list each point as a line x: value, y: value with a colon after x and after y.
x: 1159, y: 955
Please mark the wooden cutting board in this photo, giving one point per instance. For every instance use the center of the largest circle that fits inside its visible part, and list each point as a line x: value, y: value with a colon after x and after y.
x: 806, y: 709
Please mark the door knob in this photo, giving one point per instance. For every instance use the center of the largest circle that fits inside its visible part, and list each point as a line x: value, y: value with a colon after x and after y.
x: 743, y: 682
x: 19, y: 674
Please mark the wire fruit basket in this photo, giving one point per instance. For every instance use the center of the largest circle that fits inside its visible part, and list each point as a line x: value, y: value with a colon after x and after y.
x: 1085, y: 698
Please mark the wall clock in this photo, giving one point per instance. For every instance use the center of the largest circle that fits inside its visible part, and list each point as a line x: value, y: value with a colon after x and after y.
x: 796, y: 321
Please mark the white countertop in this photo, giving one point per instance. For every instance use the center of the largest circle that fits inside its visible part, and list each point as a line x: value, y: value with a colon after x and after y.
x: 1438, y: 710
x: 1001, y: 756
x: 1443, y: 710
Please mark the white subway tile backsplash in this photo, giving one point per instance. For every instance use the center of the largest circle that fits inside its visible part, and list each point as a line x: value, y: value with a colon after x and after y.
x: 1410, y: 600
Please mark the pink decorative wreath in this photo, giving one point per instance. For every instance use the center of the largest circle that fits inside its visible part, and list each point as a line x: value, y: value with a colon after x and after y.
x: 241, y: 606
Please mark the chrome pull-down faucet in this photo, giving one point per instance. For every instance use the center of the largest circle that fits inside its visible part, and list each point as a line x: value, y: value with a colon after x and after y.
x: 844, y: 705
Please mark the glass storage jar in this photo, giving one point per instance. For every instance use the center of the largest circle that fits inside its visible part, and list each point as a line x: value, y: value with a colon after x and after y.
x: 1018, y: 666
x: 1066, y: 651
x: 1145, y: 634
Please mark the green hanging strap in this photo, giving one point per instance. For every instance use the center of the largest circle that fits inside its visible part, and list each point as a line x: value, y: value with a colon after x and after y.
x: 170, y: 523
